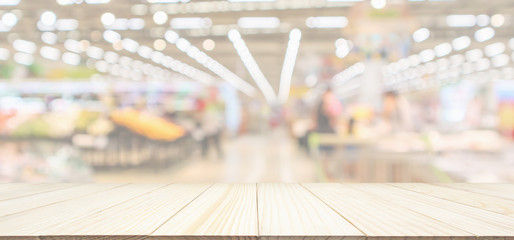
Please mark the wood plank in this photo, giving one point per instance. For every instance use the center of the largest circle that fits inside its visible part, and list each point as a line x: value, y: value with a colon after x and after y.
x: 225, y: 211
x: 479, y: 222
x: 505, y: 191
x: 24, y: 203
x: 377, y: 217
x: 486, y: 202
x: 91, y: 238
x: 36, y: 221
x: 290, y: 211
x: 14, y: 190
x: 139, y: 216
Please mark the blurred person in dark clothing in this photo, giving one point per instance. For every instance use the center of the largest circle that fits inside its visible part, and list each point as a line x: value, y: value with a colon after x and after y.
x: 327, y: 112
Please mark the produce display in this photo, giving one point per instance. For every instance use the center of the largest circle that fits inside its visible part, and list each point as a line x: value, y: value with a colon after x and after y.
x: 150, y: 126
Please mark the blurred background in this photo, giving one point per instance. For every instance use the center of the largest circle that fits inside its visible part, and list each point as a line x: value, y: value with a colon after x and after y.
x: 256, y: 91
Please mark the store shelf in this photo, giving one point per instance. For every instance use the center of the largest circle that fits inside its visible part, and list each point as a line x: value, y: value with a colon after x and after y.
x: 256, y: 211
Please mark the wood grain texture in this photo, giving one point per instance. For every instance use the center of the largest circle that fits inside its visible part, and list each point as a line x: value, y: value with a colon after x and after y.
x: 36, y: 221
x: 496, y: 190
x: 24, y: 203
x: 92, y: 237
x: 377, y: 217
x: 486, y: 202
x: 289, y: 210
x: 8, y: 192
x: 228, y: 210
x: 476, y: 221
x: 256, y: 211
x: 138, y: 216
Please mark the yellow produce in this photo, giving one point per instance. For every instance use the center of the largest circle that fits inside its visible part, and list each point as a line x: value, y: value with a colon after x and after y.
x: 147, y: 125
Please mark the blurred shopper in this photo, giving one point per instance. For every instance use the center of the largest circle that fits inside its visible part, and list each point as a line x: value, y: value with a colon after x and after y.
x: 326, y: 115
x: 211, y: 124
x: 396, y: 112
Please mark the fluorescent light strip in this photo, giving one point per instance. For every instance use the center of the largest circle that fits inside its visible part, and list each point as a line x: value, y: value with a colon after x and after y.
x: 9, y: 2
x: 251, y: 65
x: 173, y: 64
x: 213, y: 65
x: 289, y: 61
x: 349, y: 73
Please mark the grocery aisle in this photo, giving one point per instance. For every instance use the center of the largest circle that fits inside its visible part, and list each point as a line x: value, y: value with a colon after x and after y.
x: 249, y: 158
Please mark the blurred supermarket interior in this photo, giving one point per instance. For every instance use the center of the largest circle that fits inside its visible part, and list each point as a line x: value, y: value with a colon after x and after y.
x: 256, y: 91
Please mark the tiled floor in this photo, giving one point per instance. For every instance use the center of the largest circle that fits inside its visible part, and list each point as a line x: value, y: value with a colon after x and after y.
x: 249, y: 158
x: 275, y: 157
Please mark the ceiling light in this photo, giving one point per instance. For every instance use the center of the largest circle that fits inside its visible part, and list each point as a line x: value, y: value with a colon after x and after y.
x: 216, y: 67
x: 461, y: 20
x: 443, y: 49
x: 108, y: 19
x: 50, y: 53
x: 130, y: 45
x: 9, y: 19
x: 23, y: 58
x: 144, y: 51
x: 183, y: 45
x: 251, y: 65
x: 414, y: 60
x: 117, y: 46
x: 461, y: 43
x: 289, y: 63
x: 4, y: 54
x: 497, y: 20
x: 97, y: 1
x: 136, y: 24
x: 500, y: 60
x: 457, y: 59
x: 49, y: 38
x: 421, y: 35
x: 482, y: 20
x: 494, y: 49
x: 327, y: 22
x: 111, y: 36
x: 95, y: 52
x: 66, y: 2
x: 483, y: 64
x: 66, y: 24
x: 160, y: 17
x: 190, y: 23
x: 258, y: 22
x: 24, y: 46
x: 484, y: 34
x: 474, y: 55
x: 208, y: 44
x: 111, y: 57
x: 378, y: 4
x: 48, y: 18
x: 72, y: 45
x: 102, y: 66
x: 9, y: 2
x: 171, y: 36
x: 159, y: 45
x: 427, y: 55
x: 157, y: 57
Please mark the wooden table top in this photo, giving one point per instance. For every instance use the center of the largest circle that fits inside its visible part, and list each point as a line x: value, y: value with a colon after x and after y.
x: 267, y: 211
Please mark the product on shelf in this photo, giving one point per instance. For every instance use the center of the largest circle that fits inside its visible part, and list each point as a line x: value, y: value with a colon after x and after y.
x: 100, y: 127
x: 150, y: 126
x: 84, y: 119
